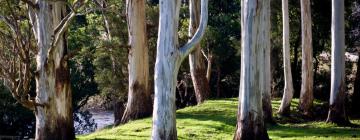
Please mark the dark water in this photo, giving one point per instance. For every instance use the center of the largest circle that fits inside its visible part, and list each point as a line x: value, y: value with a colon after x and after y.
x: 103, y: 118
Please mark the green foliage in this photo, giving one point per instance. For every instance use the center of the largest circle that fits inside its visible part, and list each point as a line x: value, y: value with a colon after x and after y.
x: 216, y: 119
x: 14, y: 119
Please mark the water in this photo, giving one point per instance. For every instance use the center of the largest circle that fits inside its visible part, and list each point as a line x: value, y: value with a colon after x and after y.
x: 103, y: 118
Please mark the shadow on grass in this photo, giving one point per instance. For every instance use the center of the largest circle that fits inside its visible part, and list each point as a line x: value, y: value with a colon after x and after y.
x: 306, y: 131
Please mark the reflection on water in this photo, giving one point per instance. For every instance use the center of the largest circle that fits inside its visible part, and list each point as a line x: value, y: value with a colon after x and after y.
x: 103, y: 118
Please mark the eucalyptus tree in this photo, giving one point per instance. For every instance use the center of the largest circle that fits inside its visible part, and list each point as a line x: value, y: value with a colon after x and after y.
x: 306, y: 93
x: 139, y: 102
x: 200, y: 75
x: 53, y: 102
x: 255, y: 32
x: 169, y: 57
x: 337, y: 113
x: 284, y: 108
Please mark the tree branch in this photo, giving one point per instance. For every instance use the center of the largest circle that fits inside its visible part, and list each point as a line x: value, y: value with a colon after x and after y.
x: 64, y: 24
x: 203, y: 53
x: 7, y: 22
x: 191, y: 45
x: 30, y: 3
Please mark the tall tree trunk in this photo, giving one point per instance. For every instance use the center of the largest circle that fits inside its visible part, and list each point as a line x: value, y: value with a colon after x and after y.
x: 196, y: 61
x: 54, y: 120
x: 306, y: 93
x: 266, y: 98
x: 288, y: 88
x: 168, y: 61
x: 337, y: 113
x: 250, y: 123
x: 139, y: 103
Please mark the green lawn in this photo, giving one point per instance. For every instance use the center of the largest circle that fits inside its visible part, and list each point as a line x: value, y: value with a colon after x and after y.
x: 216, y: 119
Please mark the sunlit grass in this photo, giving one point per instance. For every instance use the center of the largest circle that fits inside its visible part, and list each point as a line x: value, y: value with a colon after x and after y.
x: 216, y: 119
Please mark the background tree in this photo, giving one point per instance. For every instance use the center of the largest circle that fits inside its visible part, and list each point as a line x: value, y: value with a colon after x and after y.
x: 288, y: 87
x: 306, y: 94
x: 139, y: 102
x: 197, y: 67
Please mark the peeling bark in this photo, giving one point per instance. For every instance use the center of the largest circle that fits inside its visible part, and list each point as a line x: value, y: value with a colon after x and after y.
x: 196, y: 61
x: 337, y: 113
x: 284, y: 108
x: 139, y: 103
x: 53, y: 120
x: 255, y: 41
x: 306, y: 93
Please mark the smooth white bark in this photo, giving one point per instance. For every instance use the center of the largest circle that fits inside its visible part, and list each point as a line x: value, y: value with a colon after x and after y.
x: 288, y: 87
x: 255, y: 41
x: 168, y: 61
x: 337, y: 92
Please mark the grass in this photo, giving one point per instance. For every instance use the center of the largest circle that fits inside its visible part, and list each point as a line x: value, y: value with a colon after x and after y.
x: 216, y: 119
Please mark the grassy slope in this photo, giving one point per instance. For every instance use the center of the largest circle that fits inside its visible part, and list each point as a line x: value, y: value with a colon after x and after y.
x: 216, y: 119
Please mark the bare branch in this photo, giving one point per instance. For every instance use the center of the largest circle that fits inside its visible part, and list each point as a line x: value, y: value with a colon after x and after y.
x: 203, y: 53
x: 191, y: 45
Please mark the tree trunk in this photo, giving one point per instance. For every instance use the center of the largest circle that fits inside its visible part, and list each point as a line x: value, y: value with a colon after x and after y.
x: 250, y: 123
x: 139, y: 103
x: 196, y: 61
x: 218, y: 80
x: 355, y: 98
x: 168, y: 61
x: 209, y: 66
x: 266, y: 99
x: 306, y: 93
x: 337, y: 113
x: 288, y: 88
x: 54, y: 120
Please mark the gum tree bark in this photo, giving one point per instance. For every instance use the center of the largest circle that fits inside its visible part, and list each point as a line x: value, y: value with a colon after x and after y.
x: 139, y: 103
x: 306, y: 93
x: 337, y: 113
x: 196, y: 61
x: 168, y: 60
x: 266, y: 98
x: 255, y: 38
x: 54, y: 119
x: 288, y: 88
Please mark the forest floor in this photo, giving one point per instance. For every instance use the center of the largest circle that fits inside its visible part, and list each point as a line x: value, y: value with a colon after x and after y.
x: 216, y: 119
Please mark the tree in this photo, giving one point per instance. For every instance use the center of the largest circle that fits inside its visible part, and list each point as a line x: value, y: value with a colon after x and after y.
x: 306, y: 93
x: 53, y: 102
x: 337, y: 113
x: 197, y: 67
x: 139, y: 99
x: 284, y: 108
x: 168, y: 60
x: 255, y: 19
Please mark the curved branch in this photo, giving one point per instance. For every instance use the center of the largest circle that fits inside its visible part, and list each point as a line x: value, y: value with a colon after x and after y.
x: 64, y: 24
x: 191, y: 45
